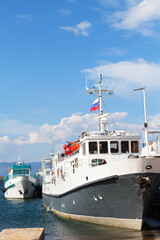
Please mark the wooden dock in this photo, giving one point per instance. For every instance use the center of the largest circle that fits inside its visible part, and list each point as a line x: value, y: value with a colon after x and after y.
x: 22, y: 234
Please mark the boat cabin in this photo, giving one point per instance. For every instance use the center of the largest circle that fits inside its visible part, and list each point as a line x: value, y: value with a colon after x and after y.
x: 18, y: 170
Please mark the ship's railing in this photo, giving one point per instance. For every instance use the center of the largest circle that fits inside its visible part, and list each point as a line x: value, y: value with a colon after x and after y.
x: 67, y: 170
x: 72, y: 169
x: 11, y: 176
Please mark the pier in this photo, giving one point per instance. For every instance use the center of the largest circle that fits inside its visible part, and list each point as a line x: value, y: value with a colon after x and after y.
x: 22, y: 233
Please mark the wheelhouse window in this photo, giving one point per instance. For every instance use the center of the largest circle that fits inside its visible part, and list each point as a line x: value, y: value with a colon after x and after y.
x: 20, y: 171
x: 103, y: 147
x: 134, y: 147
x: 124, y: 146
x: 114, y: 147
x: 84, y: 149
x: 93, y: 148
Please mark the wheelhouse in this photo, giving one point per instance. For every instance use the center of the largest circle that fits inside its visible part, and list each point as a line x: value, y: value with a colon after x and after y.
x: 19, y: 170
x: 109, y: 144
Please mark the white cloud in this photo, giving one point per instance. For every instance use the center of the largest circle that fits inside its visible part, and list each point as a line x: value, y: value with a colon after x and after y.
x: 117, y: 116
x: 15, y: 127
x: 154, y: 121
x: 8, y: 150
x: 117, y: 4
x: 80, y: 29
x: 70, y: 128
x: 141, y: 17
x: 128, y: 75
x: 4, y: 140
x: 132, y: 2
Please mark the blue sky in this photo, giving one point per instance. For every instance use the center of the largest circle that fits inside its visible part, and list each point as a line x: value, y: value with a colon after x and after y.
x: 47, y: 48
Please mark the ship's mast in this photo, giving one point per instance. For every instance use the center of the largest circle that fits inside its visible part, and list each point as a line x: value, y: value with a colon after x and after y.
x: 145, y: 121
x: 102, y: 117
x: 100, y: 103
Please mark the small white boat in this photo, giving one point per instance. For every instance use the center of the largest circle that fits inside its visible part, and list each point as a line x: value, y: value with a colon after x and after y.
x: 20, y: 182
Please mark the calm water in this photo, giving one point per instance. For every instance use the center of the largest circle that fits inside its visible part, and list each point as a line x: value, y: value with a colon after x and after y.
x: 30, y: 213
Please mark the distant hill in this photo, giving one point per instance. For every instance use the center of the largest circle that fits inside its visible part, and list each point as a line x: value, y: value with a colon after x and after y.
x: 35, y: 166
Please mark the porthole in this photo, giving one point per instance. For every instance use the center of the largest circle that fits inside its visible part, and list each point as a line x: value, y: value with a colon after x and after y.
x: 95, y: 198
x: 100, y: 196
x: 148, y: 167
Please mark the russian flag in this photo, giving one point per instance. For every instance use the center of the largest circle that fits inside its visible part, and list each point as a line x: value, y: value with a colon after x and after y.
x: 95, y: 105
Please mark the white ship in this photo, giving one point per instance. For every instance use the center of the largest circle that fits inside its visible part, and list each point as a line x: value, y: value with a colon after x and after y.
x: 20, y: 182
x: 101, y: 178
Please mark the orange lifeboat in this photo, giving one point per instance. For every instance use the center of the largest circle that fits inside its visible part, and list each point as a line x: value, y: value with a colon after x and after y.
x: 74, y: 146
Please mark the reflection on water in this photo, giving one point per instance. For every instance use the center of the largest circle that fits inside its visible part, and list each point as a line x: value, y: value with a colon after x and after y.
x: 31, y: 213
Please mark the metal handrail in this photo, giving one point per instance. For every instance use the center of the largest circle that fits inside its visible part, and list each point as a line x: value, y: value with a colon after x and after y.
x: 11, y: 176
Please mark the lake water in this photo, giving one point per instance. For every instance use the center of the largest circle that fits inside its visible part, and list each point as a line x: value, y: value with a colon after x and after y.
x: 31, y: 213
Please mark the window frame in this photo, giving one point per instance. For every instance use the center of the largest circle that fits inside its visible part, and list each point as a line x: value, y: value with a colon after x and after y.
x: 110, y: 147
x: 128, y: 146
x: 97, y: 142
x: 137, y: 145
x: 101, y: 141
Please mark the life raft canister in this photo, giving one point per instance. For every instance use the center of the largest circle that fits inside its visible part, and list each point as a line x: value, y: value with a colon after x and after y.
x: 74, y: 146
